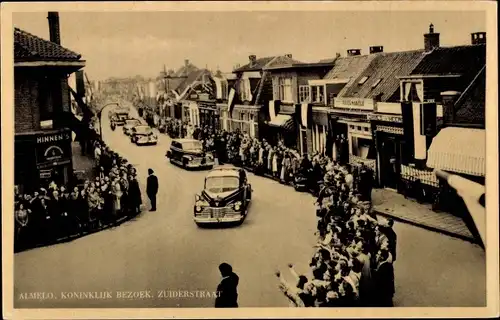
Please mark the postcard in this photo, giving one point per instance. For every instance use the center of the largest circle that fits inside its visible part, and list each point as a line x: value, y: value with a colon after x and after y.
x: 249, y: 159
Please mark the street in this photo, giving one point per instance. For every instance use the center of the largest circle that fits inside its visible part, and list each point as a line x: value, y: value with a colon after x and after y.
x: 165, y: 250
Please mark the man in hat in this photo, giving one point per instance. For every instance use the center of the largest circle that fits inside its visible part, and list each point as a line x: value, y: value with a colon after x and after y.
x: 152, y: 188
x: 227, y: 290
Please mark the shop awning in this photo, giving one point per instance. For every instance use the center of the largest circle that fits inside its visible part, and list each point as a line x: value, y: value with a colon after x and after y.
x: 460, y: 150
x: 284, y: 121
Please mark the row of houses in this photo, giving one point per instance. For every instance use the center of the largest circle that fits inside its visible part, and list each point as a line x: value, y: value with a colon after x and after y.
x: 401, y: 113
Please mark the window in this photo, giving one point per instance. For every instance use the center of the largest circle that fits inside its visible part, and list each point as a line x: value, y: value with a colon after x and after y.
x: 376, y: 83
x: 285, y: 89
x: 363, y: 80
x: 222, y: 184
x: 303, y: 94
x: 318, y: 94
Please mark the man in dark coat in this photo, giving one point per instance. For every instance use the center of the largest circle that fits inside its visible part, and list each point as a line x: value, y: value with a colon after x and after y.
x: 384, y: 280
x: 391, y: 237
x: 227, y: 290
x: 152, y: 188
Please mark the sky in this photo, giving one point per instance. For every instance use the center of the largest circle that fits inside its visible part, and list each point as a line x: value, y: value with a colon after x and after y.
x: 123, y: 44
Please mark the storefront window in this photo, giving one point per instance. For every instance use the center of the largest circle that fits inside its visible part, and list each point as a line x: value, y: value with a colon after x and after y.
x: 363, y: 148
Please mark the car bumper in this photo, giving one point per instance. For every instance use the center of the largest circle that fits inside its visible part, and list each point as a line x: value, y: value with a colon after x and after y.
x: 145, y: 143
x: 199, y: 165
x: 203, y: 220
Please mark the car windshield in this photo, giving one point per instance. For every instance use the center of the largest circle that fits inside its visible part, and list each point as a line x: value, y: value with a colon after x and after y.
x: 132, y: 122
x: 221, y: 184
x: 142, y: 130
x: 192, y: 145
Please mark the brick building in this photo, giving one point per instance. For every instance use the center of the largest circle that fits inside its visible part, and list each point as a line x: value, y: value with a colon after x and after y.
x: 253, y: 87
x: 43, y: 118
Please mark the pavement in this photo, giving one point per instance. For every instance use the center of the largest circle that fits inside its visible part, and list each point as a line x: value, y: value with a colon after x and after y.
x: 389, y: 203
x: 165, y: 251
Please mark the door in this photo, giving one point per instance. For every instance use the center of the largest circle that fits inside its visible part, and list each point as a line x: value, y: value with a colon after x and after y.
x: 390, y: 163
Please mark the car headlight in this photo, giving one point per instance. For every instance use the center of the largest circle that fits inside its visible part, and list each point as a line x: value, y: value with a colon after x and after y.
x: 237, y: 206
x: 197, y: 209
x: 189, y: 157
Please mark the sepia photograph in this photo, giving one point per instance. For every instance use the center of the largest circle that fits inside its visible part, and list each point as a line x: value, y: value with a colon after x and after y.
x: 270, y: 156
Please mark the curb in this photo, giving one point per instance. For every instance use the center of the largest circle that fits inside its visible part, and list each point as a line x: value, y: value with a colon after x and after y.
x: 425, y: 226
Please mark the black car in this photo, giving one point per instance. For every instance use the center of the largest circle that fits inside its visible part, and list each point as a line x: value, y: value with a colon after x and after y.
x: 225, y: 198
x: 188, y: 153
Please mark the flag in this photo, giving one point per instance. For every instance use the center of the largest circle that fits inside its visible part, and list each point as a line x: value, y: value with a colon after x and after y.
x: 208, y: 87
x: 218, y: 86
x: 230, y: 101
x: 304, y: 114
x: 273, y: 107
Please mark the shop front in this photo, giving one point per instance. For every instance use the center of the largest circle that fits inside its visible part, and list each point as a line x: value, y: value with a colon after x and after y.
x: 361, y: 148
x: 209, y: 114
x: 42, y: 157
x: 396, y: 167
x: 319, y: 130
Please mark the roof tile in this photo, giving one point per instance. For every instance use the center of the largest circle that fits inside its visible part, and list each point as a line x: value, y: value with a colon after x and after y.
x: 386, y: 67
x: 28, y: 47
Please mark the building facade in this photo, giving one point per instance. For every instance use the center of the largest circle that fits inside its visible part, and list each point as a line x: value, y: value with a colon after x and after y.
x: 42, y: 103
x: 305, y: 131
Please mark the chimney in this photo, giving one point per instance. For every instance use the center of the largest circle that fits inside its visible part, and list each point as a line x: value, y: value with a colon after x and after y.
x: 448, y: 99
x: 186, y: 62
x: 478, y: 38
x: 353, y: 52
x: 252, y: 59
x: 431, y: 39
x: 288, y: 55
x: 376, y: 49
x: 55, y: 35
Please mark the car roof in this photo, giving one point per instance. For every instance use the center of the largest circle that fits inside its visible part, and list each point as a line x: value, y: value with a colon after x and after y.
x: 224, y: 171
x: 184, y: 140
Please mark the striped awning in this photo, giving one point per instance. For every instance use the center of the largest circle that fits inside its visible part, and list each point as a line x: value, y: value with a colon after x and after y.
x: 283, y: 121
x: 460, y: 150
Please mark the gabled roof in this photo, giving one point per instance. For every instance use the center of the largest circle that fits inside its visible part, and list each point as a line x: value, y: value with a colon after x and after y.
x: 259, y: 64
x: 450, y: 60
x: 28, y: 47
x: 191, y: 78
x: 281, y: 61
x: 349, y: 68
x: 381, y: 75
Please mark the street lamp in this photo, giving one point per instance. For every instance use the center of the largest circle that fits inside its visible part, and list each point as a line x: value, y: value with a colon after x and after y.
x: 99, y: 115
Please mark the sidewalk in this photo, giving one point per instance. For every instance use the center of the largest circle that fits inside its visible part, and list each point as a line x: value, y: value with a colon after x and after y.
x: 388, y: 203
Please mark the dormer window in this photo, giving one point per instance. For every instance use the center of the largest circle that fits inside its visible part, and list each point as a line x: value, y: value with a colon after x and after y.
x: 363, y: 80
x: 376, y: 83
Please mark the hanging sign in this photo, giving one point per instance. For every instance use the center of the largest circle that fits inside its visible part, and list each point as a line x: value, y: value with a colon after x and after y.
x: 53, y: 149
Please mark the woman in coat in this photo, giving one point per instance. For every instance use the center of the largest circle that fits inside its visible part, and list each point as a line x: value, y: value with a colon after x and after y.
x: 134, y: 196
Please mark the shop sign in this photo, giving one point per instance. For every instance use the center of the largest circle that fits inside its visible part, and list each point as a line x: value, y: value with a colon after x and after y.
x: 385, y: 118
x: 53, y: 149
x: 207, y: 105
x: 45, y: 173
x: 353, y: 103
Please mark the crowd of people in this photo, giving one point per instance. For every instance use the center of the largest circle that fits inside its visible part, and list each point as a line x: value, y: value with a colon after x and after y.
x: 353, y: 265
x: 55, y: 211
